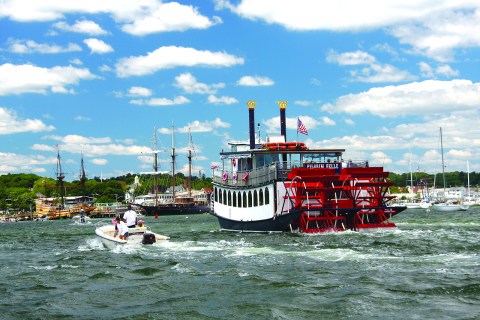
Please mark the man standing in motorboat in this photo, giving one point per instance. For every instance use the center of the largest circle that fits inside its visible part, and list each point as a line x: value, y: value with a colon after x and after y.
x: 130, y: 217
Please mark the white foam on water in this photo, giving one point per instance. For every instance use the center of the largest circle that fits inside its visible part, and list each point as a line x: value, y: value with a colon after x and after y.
x: 92, y: 244
x: 48, y: 268
x: 127, y: 249
x: 180, y: 268
x: 198, y: 246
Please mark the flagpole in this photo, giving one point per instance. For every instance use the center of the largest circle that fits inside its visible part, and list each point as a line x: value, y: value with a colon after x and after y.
x: 297, y: 129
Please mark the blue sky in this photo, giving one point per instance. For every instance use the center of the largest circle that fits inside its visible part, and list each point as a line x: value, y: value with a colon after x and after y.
x: 378, y: 78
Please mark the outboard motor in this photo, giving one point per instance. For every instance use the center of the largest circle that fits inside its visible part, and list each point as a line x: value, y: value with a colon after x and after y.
x: 148, y: 238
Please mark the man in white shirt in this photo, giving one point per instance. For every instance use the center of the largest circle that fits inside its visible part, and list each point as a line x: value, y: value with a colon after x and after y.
x: 130, y: 217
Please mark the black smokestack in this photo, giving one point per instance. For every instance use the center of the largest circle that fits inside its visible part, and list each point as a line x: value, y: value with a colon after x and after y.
x: 283, y: 121
x: 251, y: 123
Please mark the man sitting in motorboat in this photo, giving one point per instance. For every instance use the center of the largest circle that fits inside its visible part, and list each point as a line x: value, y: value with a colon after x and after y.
x: 130, y: 217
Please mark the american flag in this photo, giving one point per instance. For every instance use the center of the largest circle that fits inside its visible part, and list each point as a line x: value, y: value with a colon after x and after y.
x: 301, y: 127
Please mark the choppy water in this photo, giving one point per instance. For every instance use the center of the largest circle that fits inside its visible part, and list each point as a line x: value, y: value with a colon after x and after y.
x: 428, y: 269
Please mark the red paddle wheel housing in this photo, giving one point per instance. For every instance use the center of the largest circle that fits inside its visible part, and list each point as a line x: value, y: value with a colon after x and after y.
x: 351, y: 199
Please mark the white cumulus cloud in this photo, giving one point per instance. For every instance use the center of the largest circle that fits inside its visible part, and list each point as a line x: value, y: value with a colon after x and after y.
x: 188, y: 83
x: 139, y: 92
x: 82, y: 26
x: 11, y: 123
x: 161, y: 101
x: 30, y: 46
x: 255, y: 81
x: 221, y: 100
x: 26, y: 78
x: 427, y: 97
x: 98, y: 46
x: 171, y: 16
x: 171, y: 57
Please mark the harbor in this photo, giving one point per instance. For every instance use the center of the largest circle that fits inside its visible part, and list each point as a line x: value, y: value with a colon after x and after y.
x: 428, y: 268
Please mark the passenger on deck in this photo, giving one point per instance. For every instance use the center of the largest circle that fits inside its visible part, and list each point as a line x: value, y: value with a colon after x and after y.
x: 122, y: 229
x: 130, y: 217
x: 115, y: 223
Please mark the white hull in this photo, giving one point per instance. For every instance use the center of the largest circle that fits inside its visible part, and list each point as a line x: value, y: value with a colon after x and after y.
x: 445, y: 207
x: 413, y: 205
x: 106, y: 233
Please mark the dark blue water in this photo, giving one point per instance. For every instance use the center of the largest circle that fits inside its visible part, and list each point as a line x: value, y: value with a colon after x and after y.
x: 427, y: 269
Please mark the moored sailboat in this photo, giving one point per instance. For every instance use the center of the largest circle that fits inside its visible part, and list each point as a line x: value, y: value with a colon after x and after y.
x: 62, y: 207
x: 447, y: 206
x: 171, y: 203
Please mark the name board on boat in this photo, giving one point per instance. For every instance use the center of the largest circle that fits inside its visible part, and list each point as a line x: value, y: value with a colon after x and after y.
x: 327, y: 165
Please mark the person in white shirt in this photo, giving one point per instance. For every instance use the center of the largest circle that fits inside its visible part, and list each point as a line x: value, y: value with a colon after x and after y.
x: 130, y: 217
x: 122, y: 229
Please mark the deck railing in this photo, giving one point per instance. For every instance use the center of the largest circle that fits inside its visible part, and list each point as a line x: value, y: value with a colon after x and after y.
x: 263, y: 175
x: 245, y: 178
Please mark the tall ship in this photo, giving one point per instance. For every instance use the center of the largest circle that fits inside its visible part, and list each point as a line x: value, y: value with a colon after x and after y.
x: 173, y: 202
x: 285, y: 186
x: 63, y: 206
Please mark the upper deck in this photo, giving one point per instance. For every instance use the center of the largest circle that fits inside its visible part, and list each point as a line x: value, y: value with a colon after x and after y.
x: 255, y: 167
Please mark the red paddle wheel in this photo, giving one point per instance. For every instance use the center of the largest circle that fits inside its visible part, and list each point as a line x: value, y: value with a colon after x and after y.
x: 338, y: 200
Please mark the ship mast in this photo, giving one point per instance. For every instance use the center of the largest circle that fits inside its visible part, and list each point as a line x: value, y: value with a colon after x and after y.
x: 155, y: 165
x: 443, y: 164
x: 173, y: 164
x: 83, y: 176
x: 189, y: 181
x: 60, y: 177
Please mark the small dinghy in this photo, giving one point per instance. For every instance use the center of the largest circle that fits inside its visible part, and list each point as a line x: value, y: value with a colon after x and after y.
x: 138, y: 235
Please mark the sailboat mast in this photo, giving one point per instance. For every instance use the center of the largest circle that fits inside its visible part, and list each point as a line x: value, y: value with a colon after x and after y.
x: 60, y: 177
x: 468, y: 180
x: 83, y: 176
x: 189, y: 181
x: 411, y: 174
x: 173, y: 164
x: 443, y: 163
x: 155, y: 165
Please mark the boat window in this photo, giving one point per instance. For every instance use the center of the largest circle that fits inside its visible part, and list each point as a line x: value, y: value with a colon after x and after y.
x: 244, y: 199
x: 260, y: 197
x: 255, y: 198
x: 234, y: 198
x: 267, y: 196
x: 262, y: 160
x: 239, y: 199
x: 249, y: 198
x: 229, y: 198
x: 224, y: 197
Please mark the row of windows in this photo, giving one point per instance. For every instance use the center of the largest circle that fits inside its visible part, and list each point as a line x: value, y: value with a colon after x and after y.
x: 243, y: 199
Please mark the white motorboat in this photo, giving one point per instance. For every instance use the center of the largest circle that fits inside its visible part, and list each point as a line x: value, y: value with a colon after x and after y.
x: 450, y: 206
x: 82, y: 219
x: 138, y: 235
